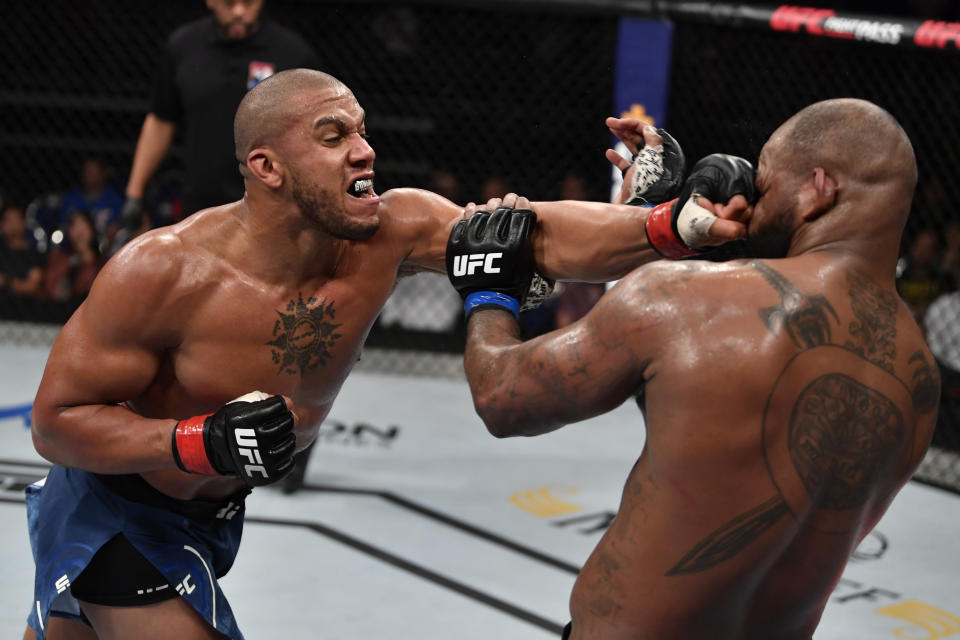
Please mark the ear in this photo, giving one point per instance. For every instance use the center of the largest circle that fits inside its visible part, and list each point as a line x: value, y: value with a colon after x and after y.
x: 263, y: 165
x: 818, y: 195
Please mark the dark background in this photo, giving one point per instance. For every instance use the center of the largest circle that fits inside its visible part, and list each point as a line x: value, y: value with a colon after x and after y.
x: 512, y: 89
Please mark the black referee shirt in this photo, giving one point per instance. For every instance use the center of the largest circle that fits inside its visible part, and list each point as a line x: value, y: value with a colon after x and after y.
x: 201, y: 80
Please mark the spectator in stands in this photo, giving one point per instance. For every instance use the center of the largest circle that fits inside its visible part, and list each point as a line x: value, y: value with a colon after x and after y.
x: 206, y: 68
x: 950, y: 259
x: 942, y: 328
x: 493, y: 187
x: 95, y: 196
x: 447, y: 184
x: 73, y: 265
x: 21, y: 266
x: 918, y: 273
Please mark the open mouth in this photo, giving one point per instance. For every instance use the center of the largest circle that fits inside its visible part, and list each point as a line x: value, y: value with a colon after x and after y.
x: 362, y: 188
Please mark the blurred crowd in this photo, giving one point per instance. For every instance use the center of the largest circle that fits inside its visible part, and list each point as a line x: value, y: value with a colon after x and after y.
x: 52, y: 247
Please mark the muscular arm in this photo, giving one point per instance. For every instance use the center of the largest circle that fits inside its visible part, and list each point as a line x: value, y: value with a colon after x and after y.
x: 584, y: 370
x: 108, y: 353
x: 156, y: 136
x: 573, y: 240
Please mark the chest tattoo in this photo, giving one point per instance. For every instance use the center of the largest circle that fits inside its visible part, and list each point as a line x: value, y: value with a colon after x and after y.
x: 304, y: 335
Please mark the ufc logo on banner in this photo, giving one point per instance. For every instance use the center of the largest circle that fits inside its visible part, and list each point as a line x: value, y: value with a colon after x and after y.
x: 247, y: 446
x: 467, y: 265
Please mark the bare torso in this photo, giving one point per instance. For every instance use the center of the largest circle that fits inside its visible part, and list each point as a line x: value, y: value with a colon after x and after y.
x: 235, y: 332
x: 300, y: 341
x: 778, y: 430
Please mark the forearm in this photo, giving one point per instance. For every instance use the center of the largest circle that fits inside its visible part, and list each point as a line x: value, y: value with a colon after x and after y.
x: 590, y: 241
x: 103, y: 438
x: 156, y: 136
x: 526, y: 388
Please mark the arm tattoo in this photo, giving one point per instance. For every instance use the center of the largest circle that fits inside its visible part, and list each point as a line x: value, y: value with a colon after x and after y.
x: 804, y: 318
x: 875, y: 328
x: 303, y: 337
x: 926, y: 384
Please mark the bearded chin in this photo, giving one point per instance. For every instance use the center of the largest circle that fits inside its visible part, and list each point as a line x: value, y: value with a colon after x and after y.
x: 319, y: 206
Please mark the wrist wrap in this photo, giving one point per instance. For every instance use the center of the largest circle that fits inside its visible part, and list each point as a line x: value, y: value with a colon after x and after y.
x: 478, y: 299
x: 661, y: 234
x: 189, y: 450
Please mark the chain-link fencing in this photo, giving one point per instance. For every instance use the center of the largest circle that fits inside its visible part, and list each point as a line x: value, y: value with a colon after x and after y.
x: 466, y: 99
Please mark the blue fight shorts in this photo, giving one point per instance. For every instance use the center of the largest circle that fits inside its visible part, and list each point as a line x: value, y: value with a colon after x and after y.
x: 71, y: 514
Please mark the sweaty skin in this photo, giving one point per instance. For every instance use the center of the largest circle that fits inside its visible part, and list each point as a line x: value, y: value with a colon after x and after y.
x: 275, y: 292
x: 786, y: 401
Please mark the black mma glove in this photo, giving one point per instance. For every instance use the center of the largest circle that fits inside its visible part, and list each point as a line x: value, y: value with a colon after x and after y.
x: 131, y: 215
x: 249, y: 437
x: 490, y: 258
x: 658, y: 172
x: 680, y: 227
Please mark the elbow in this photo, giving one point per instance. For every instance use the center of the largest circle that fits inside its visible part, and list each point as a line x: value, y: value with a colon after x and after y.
x: 43, y: 435
x: 498, y: 422
x: 42, y: 444
x: 498, y: 429
x: 492, y: 419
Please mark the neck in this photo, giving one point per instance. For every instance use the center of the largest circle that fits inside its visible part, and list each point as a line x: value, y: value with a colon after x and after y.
x: 875, y: 245
x: 285, y: 246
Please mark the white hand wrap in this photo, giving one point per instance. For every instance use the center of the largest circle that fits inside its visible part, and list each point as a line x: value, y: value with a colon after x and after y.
x: 694, y: 222
x: 253, y: 396
x: 540, y: 290
x: 649, y: 170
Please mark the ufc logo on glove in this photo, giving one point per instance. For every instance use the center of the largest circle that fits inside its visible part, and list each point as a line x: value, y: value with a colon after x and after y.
x: 466, y: 265
x: 247, y: 447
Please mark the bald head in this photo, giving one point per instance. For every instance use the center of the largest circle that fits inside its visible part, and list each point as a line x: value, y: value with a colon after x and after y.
x: 272, y: 106
x: 853, y: 138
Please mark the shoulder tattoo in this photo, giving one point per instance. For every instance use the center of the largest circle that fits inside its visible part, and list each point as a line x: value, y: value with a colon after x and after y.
x: 806, y: 319
x: 874, y: 330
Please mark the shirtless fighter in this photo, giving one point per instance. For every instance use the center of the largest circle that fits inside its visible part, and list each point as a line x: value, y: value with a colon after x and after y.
x: 273, y: 294
x: 786, y: 398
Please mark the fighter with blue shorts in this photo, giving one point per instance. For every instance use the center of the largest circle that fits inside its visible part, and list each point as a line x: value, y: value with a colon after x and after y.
x: 275, y: 292
x: 114, y: 540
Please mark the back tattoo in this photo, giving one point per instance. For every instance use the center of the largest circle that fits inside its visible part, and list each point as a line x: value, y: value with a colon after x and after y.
x: 842, y: 435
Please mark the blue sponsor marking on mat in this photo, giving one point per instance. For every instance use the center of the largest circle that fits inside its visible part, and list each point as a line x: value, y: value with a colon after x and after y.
x: 17, y: 411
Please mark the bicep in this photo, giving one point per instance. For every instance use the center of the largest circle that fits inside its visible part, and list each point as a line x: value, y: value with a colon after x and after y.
x: 110, y: 349
x: 90, y: 365
x: 572, y: 374
x: 422, y: 221
x: 584, y: 370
